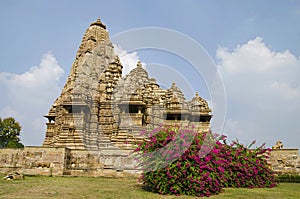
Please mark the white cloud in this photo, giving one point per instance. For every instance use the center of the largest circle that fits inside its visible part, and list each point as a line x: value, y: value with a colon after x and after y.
x: 28, y: 96
x: 255, y: 68
x: 254, y: 56
x: 128, y: 60
x: 285, y: 90
x: 263, y: 90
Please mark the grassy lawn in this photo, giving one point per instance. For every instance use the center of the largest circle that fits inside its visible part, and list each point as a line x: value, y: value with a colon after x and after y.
x: 84, y: 187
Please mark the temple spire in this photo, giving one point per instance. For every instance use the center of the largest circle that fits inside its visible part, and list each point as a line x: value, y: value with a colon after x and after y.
x: 98, y: 23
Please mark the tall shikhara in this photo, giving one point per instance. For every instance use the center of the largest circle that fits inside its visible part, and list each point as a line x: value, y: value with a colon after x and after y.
x: 98, y: 109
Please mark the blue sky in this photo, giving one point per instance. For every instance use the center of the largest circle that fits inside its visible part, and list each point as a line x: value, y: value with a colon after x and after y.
x: 255, y: 45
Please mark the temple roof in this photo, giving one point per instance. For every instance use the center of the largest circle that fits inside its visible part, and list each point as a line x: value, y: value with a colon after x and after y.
x: 138, y: 72
x: 199, y: 103
x: 174, y: 91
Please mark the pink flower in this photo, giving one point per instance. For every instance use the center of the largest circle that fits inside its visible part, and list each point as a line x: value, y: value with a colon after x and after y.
x: 219, y: 162
x: 221, y: 169
x: 215, y: 151
x: 207, y: 158
x: 223, y: 137
x: 182, y: 136
x: 154, y: 139
x: 138, y: 149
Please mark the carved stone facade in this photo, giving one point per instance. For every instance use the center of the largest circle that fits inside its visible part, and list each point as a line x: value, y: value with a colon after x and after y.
x: 98, y: 109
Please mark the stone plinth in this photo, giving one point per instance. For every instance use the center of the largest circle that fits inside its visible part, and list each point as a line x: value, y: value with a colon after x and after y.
x: 33, y: 160
x: 63, y: 161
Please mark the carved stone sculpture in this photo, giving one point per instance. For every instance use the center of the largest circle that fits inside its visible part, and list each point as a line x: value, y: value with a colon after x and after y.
x: 278, y: 145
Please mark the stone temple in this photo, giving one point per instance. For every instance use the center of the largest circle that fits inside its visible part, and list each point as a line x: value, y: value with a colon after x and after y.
x: 97, y: 119
x: 93, y: 125
x: 99, y: 109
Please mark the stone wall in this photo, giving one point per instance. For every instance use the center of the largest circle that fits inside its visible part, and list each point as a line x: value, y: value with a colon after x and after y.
x: 63, y: 161
x: 33, y: 160
x: 285, y: 161
x: 109, y: 162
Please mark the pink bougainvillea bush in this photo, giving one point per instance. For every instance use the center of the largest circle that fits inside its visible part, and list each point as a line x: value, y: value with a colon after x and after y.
x: 179, y: 160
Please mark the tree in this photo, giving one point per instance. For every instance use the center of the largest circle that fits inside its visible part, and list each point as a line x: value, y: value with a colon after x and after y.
x: 9, y: 133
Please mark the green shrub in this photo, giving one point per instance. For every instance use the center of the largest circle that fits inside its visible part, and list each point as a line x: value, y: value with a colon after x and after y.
x: 288, y: 178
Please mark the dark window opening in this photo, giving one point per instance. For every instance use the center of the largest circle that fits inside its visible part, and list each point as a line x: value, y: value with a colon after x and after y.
x: 173, y: 117
x: 200, y: 119
x: 133, y: 109
x: 69, y: 109
x: 75, y: 109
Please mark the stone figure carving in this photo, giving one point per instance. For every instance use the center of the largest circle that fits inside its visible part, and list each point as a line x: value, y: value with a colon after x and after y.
x: 278, y: 145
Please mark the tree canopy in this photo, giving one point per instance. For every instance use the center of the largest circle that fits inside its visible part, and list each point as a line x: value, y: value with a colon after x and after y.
x: 9, y: 133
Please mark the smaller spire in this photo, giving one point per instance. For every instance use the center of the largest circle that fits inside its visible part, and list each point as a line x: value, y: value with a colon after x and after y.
x: 117, y: 60
x: 197, y: 94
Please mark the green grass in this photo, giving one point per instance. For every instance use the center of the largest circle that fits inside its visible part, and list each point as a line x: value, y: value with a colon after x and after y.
x: 84, y: 187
